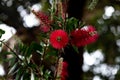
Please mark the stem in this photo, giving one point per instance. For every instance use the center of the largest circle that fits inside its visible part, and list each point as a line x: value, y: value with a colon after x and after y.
x: 57, y: 63
x: 44, y: 52
x: 39, y: 74
x: 55, y: 75
x: 65, y: 5
x: 11, y: 50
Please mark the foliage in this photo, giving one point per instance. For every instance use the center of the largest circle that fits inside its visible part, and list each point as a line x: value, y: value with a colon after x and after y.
x: 57, y: 31
x: 108, y: 29
x: 93, y: 4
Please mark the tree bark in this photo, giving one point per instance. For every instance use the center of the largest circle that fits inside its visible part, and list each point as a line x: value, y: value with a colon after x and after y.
x: 75, y: 59
x: 75, y: 8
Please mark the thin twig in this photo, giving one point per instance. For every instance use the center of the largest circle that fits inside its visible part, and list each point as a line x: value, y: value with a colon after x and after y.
x: 65, y: 13
x: 11, y: 50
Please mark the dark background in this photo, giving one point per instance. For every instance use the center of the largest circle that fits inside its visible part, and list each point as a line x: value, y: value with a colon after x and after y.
x: 108, y: 28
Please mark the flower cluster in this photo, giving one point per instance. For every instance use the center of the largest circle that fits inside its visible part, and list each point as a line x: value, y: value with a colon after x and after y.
x: 48, y: 57
x: 61, y: 31
x: 79, y: 37
x: 59, y: 38
x: 83, y: 36
x: 44, y: 21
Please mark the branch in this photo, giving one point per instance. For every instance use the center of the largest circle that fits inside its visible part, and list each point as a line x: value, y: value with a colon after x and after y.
x: 11, y: 50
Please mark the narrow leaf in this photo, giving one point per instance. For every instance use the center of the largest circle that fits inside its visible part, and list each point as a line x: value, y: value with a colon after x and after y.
x: 32, y: 76
x: 13, y: 68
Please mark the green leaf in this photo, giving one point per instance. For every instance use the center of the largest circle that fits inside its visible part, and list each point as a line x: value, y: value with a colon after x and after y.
x: 71, y: 24
x: 51, y: 51
x: 13, y: 68
x: 58, y: 23
x: 22, y: 48
x: 47, y: 74
x: 32, y: 77
x: 1, y: 32
x: 36, y: 46
x: 12, y: 61
x: 75, y: 48
x: 22, y: 77
x: 0, y: 44
x: 26, y: 51
x: 26, y: 76
x: 93, y: 4
x: 19, y: 73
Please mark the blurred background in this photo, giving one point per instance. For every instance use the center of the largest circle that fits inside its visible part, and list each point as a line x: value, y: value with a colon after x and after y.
x: 101, y: 59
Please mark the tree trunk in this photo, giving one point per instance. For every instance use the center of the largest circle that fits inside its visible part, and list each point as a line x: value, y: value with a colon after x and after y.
x: 75, y: 59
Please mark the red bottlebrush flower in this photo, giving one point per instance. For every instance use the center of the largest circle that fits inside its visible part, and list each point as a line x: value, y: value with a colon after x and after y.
x: 64, y: 73
x: 92, y: 31
x: 42, y: 17
x: 84, y: 36
x: 58, y: 39
x: 44, y: 28
x: 79, y: 37
x: 89, y: 28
